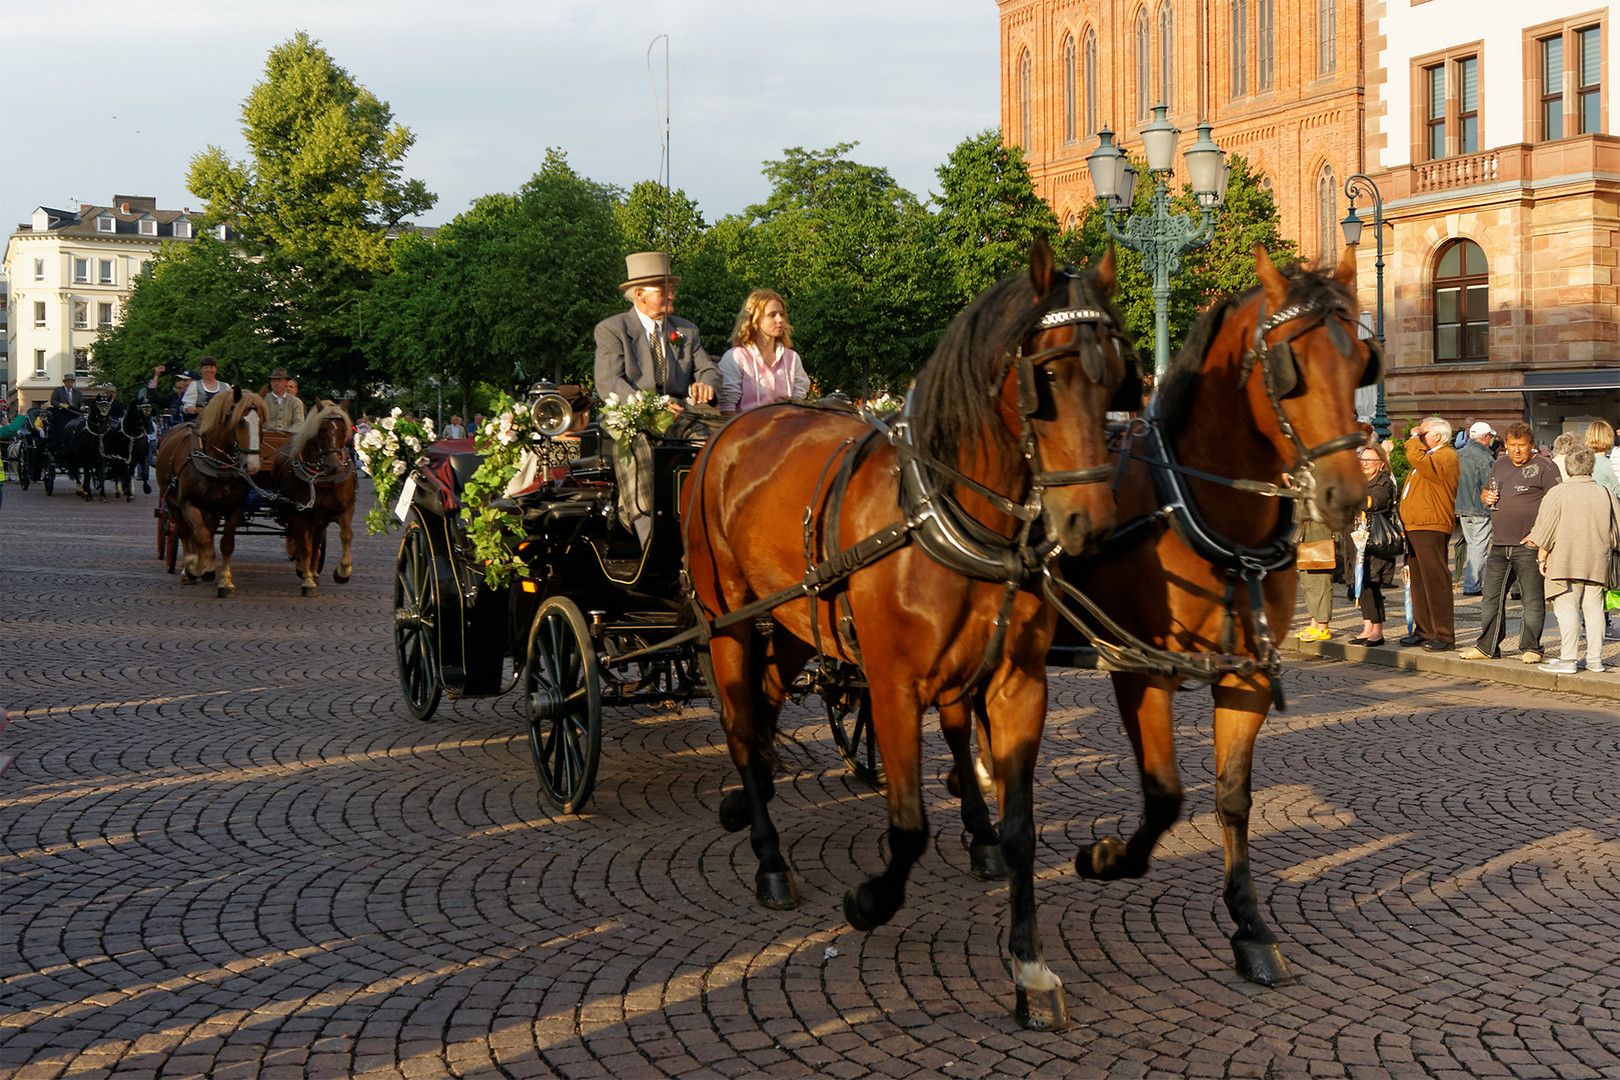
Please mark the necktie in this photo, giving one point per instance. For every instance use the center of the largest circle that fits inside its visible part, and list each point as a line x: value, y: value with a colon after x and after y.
x: 660, y: 358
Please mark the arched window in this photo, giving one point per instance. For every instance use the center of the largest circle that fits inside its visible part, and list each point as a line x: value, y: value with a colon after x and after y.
x: 1265, y: 45
x: 1167, y: 53
x: 1327, y: 36
x: 1070, y: 109
x: 1327, y: 214
x: 1461, y: 310
x: 1239, y: 51
x: 1090, y: 60
x: 1026, y: 122
x: 1144, y: 66
x: 1068, y: 221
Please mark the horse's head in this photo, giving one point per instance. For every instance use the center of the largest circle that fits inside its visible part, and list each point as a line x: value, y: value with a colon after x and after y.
x: 322, y: 442
x: 1300, y: 373
x: 1073, y: 366
x: 247, y: 421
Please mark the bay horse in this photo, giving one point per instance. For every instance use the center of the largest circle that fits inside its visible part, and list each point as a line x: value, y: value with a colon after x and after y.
x: 314, y: 476
x: 203, y: 469
x: 999, y: 458
x: 1259, y: 403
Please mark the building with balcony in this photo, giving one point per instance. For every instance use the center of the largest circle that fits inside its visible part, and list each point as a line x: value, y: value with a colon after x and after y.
x: 69, y: 273
x: 1490, y: 136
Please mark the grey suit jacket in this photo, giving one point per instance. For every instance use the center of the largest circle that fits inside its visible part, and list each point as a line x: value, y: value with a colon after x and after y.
x: 71, y: 398
x: 624, y: 362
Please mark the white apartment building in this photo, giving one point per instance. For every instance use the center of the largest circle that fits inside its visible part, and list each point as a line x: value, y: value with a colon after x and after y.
x: 69, y: 273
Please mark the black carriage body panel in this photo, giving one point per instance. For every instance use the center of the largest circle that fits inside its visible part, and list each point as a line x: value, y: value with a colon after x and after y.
x: 473, y: 633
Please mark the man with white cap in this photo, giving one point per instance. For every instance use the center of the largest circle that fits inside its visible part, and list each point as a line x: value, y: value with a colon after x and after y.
x: 647, y: 347
x: 1474, y: 458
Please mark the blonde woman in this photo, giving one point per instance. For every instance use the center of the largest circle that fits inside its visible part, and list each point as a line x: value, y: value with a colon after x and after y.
x: 1600, y: 438
x: 761, y: 365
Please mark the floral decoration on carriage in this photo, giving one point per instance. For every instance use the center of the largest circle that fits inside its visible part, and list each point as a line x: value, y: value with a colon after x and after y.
x: 389, y: 451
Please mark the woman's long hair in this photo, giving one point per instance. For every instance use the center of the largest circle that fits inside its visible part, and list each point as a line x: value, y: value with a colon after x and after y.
x: 753, y: 309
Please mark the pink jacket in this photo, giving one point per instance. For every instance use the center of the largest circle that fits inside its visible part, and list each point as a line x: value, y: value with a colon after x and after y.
x: 746, y: 380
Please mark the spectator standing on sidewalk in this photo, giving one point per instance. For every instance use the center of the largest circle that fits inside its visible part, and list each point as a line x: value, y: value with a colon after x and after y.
x: 1428, y: 505
x: 1577, y: 528
x: 1474, y: 461
x: 1560, y: 449
x: 1518, y: 483
x: 1600, y: 437
x: 1377, y: 572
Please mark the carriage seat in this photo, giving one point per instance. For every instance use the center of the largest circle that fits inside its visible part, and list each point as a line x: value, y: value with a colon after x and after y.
x: 463, y: 465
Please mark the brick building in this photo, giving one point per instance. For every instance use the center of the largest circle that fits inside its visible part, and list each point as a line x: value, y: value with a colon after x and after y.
x: 1479, y: 126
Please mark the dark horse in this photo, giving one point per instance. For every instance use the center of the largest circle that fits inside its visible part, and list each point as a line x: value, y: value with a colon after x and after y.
x: 203, y: 471
x: 82, y: 439
x: 962, y: 495
x: 123, y: 448
x: 314, y: 475
x: 1263, y: 394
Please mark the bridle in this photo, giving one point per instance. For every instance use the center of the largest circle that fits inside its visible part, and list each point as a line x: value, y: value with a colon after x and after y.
x: 1280, y: 377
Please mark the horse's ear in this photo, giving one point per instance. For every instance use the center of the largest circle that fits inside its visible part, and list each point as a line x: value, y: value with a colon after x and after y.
x: 1276, y: 285
x: 1042, y: 265
x: 237, y: 391
x: 1107, y: 278
x: 1345, y: 274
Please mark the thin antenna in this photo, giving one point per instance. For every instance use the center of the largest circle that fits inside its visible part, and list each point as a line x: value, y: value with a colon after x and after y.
x: 663, y: 136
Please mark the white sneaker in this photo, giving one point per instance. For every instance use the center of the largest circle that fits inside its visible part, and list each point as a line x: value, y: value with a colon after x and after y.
x: 1596, y: 669
x: 1558, y: 667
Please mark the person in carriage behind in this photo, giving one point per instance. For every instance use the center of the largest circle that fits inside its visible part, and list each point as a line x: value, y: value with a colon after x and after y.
x: 648, y: 348
x: 206, y: 387
x: 67, y: 401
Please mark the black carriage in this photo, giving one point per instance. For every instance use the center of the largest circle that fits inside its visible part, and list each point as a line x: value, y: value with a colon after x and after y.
x: 602, y: 619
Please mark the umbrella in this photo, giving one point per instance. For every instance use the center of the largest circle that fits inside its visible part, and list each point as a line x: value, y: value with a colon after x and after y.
x: 1406, y: 583
x: 1359, y: 535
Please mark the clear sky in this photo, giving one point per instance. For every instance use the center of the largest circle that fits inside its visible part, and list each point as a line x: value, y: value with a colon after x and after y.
x: 100, y: 98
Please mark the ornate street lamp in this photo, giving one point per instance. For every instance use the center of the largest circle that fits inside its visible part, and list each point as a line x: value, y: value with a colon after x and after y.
x: 1360, y: 186
x: 1161, y: 237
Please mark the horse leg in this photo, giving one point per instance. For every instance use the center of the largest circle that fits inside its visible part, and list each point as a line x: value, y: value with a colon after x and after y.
x: 1017, y: 711
x: 731, y: 659
x: 897, y: 721
x: 1145, y: 708
x: 227, y: 545
x: 345, y: 567
x: 1239, y: 712
x: 984, y: 847
x: 193, y: 529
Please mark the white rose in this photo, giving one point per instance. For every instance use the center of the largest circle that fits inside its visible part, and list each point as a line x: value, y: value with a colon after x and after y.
x: 397, y: 412
x: 399, y: 467
x: 414, y: 443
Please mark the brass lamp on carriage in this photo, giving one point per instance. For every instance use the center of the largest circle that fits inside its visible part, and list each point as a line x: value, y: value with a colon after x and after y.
x: 549, y: 410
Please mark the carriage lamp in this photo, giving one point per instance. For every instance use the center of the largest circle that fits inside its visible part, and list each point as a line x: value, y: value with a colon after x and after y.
x: 1361, y: 186
x: 550, y: 411
x: 1160, y: 236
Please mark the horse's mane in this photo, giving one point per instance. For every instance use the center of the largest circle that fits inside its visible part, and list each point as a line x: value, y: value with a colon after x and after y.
x: 1181, y: 381
x: 955, y: 403
x: 312, y: 426
x: 223, y: 410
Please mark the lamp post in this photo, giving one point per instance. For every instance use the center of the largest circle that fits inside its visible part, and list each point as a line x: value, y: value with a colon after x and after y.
x: 1160, y: 236
x: 1361, y: 186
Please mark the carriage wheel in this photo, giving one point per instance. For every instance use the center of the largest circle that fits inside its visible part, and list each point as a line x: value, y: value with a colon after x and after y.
x: 416, y: 613
x: 849, y: 714
x: 171, y: 554
x: 25, y: 463
x: 165, y: 526
x: 562, y: 697
x: 47, y: 474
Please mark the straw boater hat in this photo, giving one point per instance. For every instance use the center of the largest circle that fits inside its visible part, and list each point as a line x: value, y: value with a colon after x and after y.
x: 647, y: 268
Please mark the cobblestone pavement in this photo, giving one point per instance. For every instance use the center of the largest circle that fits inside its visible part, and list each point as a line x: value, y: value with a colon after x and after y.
x: 228, y: 853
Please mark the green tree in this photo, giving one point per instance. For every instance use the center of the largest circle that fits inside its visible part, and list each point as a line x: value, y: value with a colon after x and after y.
x: 1225, y: 266
x: 194, y: 299
x: 653, y: 218
x: 314, y: 201
x: 988, y: 213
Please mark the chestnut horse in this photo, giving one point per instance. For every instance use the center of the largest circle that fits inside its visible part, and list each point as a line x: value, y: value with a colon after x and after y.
x: 203, y: 470
x: 1263, y: 395
x: 960, y: 494
x: 314, y: 476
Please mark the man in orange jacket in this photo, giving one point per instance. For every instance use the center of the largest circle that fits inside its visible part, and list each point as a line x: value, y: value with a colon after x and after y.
x: 1428, y: 505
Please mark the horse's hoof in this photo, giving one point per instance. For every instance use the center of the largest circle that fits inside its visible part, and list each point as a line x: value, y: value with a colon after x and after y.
x: 987, y: 862
x: 776, y: 890
x: 309, y: 590
x: 1042, y: 1010
x: 734, y: 814
x: 341, y: 579
x: 1100, y: 861
x: 1261, y: 962
x: 853, y: 913
x: 209, y: 575
x: 146, y: 489
x: 226, y: 592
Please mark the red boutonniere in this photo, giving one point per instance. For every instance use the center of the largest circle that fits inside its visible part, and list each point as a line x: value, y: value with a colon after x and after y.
x: 674, y: 337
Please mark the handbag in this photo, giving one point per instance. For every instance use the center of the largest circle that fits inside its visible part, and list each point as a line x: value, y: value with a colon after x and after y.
x: 1384, y: 538
x: 1315, y: 555
x: 1614, y: 553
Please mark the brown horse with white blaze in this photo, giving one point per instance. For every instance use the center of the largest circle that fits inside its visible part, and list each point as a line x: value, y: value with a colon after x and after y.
x: 1260, y: 403
x: 1001, y: 452
x: 203, y: 470
x: 314, y: 475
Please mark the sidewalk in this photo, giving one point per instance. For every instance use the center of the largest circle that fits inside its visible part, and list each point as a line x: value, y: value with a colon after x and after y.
x: 1509, y: 670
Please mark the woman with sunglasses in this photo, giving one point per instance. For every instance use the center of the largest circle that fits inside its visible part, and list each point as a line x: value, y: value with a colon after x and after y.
x: 1376, y: 572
